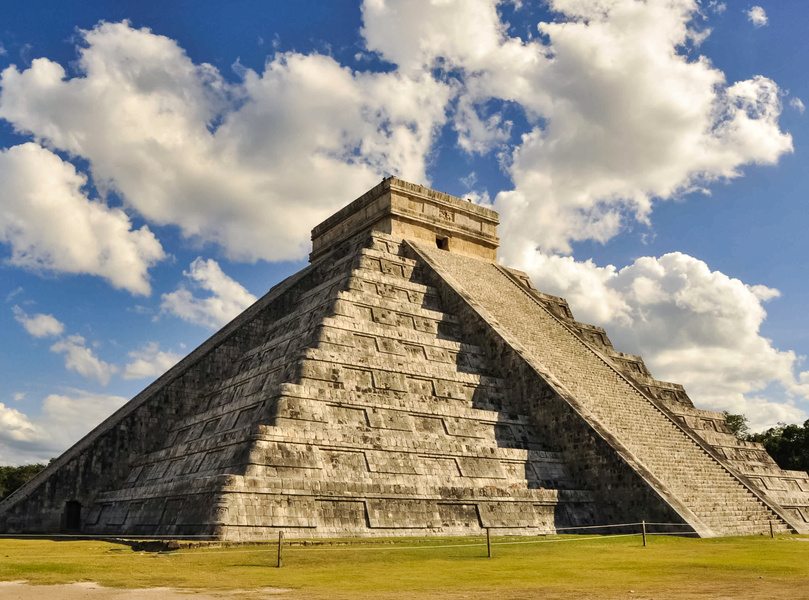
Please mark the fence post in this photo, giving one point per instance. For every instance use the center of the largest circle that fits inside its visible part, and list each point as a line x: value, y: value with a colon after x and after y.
x: 772, y: 533
x: 643, y: 525
x: 280, y: 544
x: 489, y: 541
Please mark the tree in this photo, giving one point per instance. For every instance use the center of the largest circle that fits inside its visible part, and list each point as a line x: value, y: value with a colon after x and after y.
x: 787, y: 444
x: 12, y: 478
x: 738, y: 425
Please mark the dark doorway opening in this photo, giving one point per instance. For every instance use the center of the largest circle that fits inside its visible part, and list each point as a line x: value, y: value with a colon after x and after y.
x: 72, y: 515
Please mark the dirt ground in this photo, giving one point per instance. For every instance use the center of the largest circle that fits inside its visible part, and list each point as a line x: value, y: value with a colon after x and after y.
x: 20, y: 590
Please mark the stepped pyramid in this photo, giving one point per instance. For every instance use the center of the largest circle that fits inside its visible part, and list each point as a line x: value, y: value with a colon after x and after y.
x: 404, y: 383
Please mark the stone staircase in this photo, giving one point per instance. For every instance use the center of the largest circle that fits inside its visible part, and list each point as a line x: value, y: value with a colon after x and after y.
x: 788, y: 489
x: 717, y: 498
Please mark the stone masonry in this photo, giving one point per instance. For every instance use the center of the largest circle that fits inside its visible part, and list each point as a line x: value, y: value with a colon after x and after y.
x: 406, y: 384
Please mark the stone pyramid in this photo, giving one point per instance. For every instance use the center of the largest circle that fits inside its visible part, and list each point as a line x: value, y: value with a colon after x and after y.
x: 404, y: 383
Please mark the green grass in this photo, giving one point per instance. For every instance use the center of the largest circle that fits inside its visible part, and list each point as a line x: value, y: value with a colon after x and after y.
x: 567, y: 567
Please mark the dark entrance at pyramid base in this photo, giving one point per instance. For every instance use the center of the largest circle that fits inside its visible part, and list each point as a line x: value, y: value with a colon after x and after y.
x: 72, y: 515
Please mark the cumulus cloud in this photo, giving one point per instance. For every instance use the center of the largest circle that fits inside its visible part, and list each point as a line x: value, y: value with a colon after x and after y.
x: 692, y: 325
x: 620, y: 114
x: 62, y: 421
x: 251, y: 166
x: 51, y: 224
x: 757, y: 16
x: 797, y: 104
x: 39, y: 325
x: 150, y: 361
x: 226, y: 299
x: 15, y: 426
x: 80, y: 358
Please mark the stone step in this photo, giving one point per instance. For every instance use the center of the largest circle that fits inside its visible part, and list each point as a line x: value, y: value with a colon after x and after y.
x: 378, y: 278
x: 438, y: 365
x: 404, y: 335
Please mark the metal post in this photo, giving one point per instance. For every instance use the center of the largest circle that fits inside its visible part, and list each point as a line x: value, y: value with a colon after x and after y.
x: 280, y: 543
x: 772, y: 533
x: 489, y: 541
x: 643, y: 525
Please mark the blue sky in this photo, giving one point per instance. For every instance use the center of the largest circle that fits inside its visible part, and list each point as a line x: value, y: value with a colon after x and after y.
x: 163, y: 163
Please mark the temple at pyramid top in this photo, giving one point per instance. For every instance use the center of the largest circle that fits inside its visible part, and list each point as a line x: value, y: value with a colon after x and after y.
x: 412, y: 212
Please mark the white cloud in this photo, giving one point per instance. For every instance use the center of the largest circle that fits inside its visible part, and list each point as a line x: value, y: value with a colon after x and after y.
x: 15, y: 426
x: 226, y: 300
x: 150, y: 361
x: 51, y: 224
x: 80, y: 358
x: 63, y: 420
x: 14, y: 293
x: 757, y: 16
x: 797, y: 104
x: 692, y: 326
x: 621, y: 115
x: 19, y: 396
x: 583, y: 284
x: 251, y: 166
x: 717, y: 7
x: 77, y: 413
x: 39, y: 325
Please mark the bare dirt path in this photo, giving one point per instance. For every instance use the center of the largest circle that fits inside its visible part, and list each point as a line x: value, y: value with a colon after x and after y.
x: 20, y: 590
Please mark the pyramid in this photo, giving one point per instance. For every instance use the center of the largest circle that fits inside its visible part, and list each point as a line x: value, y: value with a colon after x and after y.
x: 405, y: 383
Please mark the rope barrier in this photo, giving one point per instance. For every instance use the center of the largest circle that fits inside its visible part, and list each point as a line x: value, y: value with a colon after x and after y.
x: 594, y: 537
x: 337, y: 548
x: 597, y: 526
x: 121, y: 537
x: 272, y: 545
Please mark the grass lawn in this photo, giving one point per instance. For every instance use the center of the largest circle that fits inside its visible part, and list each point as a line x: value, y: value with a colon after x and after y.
x: 557, y: 567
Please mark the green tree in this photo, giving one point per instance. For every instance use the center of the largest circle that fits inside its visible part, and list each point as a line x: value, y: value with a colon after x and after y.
x: 787, y: 444
x: 12, y: 478
x: 738, y: 425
